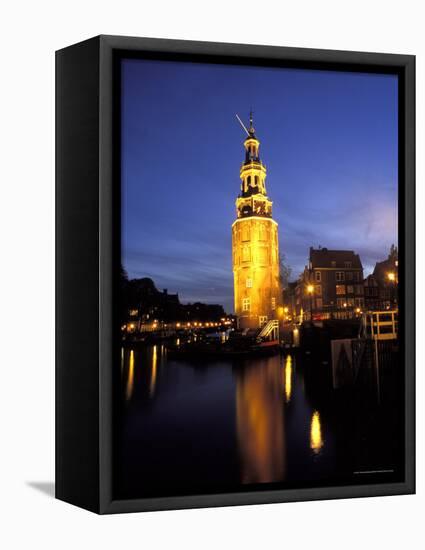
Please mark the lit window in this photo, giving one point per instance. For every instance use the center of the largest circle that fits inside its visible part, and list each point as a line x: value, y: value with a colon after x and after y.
x: 273, y: 303
x: 318, y: 275
x: 350, y: 302
x: 246, y: 304
x: 249, y: 283
x: 340, y: 289
x: 340, y: 303
x: 340, y: 276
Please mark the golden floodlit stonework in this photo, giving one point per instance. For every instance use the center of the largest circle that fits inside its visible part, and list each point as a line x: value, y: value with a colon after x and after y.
x: 255, y: 244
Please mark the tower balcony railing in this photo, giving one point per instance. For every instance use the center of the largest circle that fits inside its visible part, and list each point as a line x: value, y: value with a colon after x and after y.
x: 253, y: 164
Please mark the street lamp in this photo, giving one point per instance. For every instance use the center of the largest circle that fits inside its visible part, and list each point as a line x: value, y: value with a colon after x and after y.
x: 310, y: 290
x: 392, y: 278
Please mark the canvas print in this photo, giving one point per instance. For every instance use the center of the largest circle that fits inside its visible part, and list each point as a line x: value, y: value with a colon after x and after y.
x: 258, y: 343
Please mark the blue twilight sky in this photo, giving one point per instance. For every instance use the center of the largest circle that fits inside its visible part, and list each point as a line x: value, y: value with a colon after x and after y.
x: 328, y: 140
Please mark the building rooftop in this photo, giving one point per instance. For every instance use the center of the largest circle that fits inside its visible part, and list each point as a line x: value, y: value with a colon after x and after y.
x: 383, y: 268
x: 323, y: 257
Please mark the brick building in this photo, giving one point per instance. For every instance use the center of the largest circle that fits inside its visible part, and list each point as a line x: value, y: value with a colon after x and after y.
x: 331, y: 286
x: 381, y: 288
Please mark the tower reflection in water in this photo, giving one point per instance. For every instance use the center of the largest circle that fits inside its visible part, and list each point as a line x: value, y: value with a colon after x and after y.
x: 260, y: 421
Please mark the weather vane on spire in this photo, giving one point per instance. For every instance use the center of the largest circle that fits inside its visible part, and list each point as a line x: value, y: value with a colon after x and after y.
x: 251, y: 130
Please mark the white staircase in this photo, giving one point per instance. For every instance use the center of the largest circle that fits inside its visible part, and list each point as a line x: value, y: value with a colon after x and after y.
x: 270, y: 330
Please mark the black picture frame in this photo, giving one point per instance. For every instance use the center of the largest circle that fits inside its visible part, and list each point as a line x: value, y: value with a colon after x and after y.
x: 87, y: 243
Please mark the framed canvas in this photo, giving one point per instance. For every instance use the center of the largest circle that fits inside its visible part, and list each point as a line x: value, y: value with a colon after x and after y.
x: 235, y: 274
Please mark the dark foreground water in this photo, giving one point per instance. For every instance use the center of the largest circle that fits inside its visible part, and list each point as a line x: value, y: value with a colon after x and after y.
x: 240, y: 425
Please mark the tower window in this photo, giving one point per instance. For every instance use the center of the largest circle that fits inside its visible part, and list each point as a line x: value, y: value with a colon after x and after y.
x: 273, y: 303
x: 246, y: 304
x: 249, y: 283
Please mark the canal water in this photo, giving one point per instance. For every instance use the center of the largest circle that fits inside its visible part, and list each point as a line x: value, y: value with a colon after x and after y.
x: 234, y: 425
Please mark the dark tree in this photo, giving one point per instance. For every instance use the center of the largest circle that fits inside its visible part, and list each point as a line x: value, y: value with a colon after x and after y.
x: 285, y: 271
x: 393, y: 255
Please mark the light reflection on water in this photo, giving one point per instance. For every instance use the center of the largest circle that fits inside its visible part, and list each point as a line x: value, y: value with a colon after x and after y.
x: 130, y: 377
x: 288, y: 378
x: 154, y: 367
x: 272, y: 419
x: 190, y: 427
x: 316, y: 439
x: 260, y: 422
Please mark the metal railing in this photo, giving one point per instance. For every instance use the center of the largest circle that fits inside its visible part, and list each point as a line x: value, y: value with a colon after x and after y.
x: 379, y: 325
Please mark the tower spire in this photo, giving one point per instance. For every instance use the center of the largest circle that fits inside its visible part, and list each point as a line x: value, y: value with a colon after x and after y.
x: 251, y: 127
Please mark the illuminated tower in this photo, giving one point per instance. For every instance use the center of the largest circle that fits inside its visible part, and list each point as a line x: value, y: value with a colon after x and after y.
x: 255, y: 245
